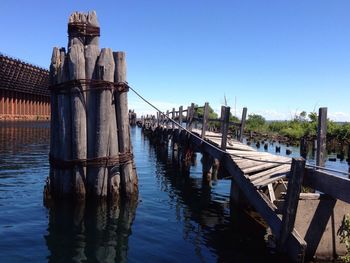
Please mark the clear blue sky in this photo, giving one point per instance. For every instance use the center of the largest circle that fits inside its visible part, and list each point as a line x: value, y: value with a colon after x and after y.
x: 275, y: 57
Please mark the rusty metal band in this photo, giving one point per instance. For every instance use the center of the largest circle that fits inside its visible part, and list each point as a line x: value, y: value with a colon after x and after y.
x: 89, y: 85
x: 106, y: 161
x: 81, y: 29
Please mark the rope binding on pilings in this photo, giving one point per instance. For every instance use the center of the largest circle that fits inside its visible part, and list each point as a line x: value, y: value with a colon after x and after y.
x: 82, y: 29
x: 89, y: 85
x: 106, y: 161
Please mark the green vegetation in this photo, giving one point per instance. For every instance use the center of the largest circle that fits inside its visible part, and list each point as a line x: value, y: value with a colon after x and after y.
x: 301, y: 125
x: 200, y: 112
x: 344, y: 234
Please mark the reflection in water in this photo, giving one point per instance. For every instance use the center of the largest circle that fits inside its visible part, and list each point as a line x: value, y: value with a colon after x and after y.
x: 16, y: 136
x: 97, y: 232
x: 178, y: 219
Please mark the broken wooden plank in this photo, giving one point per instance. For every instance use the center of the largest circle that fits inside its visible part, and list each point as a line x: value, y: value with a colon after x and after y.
x: 261, y: 167
x: 278, y: 169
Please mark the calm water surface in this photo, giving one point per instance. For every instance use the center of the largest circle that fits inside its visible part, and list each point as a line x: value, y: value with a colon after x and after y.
x: 175, y: 220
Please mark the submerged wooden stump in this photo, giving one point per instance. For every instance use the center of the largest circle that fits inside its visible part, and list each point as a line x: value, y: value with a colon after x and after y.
x: 90, y: 148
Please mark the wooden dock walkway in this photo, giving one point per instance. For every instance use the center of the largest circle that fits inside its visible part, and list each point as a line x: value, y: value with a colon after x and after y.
x: 260, y: 168
x: 270, y: 183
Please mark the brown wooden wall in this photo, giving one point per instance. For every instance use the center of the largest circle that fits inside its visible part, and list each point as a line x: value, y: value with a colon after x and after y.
x: 29, y: 106
x: 24, y: 90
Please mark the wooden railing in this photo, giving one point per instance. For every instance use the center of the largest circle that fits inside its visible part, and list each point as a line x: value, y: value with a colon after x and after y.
x: 192, y: 120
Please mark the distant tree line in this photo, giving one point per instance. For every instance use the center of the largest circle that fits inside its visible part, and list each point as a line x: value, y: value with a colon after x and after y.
x: 302, y: 125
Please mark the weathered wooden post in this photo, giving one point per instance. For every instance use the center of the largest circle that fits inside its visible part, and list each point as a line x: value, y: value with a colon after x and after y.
x: 241, y: 129
x: 173, y: 118
x: 222, y: 118
x: 180, y: 116
x: 129, y: 182
x: 191, y: 115
x: 205, y: 118
x: 98, y: 175
x: 225, y: 125
x: 158, y: 118
x: 207, y: 167
x: 321, y: 137
x: 167, y: 119
x: 292, y: 198
x: 88, y: 90
x: 303, y: 147
x: 76, y: 68
x: 188, y: 117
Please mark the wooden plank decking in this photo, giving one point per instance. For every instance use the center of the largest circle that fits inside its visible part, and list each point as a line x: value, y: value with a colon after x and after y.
x: 261, y: 168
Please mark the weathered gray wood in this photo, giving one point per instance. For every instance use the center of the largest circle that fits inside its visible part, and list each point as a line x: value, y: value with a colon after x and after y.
x: 271, y: 192
x: 250, y: 163
x: 188, y: 117
x: 260, y: 167
x: 335, y: 186
x: 173, y: 118
x: 91, y: 19
x: 98, y: 176
x: 54, y: 178
x: 321, y: 137
x: 279, y: 169
x: 222, y: 115
x: 76, y: 17
x: 241, y: 130
x: 225, y: 126
x: 113, y: 183
x: 191, y: 115
x: 292, y: 199
x: 91, y: 54
x: 205, y: 119
x: 76, y: 67
x: 270, y: 179
x: 129, y: 184
x: 167, y: 119
x: 180, y: 115
x: 65, y: 127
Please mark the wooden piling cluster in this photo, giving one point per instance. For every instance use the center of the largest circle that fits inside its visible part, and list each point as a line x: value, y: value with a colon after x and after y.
x: 271, y: 184
x: 90, y: 149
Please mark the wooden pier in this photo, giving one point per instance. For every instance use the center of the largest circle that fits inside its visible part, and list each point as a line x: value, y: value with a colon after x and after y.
x: 271, y: 184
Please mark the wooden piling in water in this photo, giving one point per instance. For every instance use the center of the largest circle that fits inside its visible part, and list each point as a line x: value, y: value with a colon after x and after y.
x: 173, y: 118
x: 241, y: 129
x: 54, y: 127
x: 129, y: 182
x: 190, y: 114
x: 76, y: 70
x: 89, y: 156
x: 207, y: 167
x: 321, y: 137
x: 205, y: 118
x: 224, y: 129
x: 98, y: 176
x: 180, y: 115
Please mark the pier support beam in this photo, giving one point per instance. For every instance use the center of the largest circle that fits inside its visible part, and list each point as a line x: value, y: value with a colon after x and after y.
x: 207, y: 167
x: 292, y: 199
